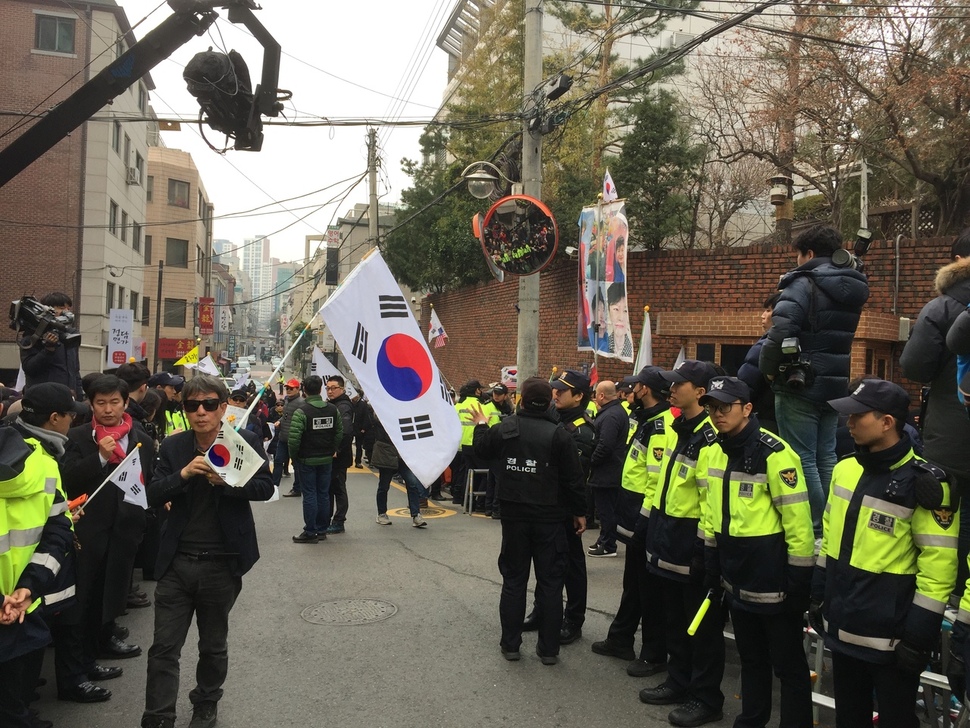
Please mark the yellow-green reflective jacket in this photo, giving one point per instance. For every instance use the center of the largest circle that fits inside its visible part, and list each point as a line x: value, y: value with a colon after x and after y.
x: 641, y: 469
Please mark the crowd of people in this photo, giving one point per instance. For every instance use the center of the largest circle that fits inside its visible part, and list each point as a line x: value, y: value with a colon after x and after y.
x: 782, y: 499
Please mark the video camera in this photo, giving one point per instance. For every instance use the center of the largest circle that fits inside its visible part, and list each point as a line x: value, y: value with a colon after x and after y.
x: 844, y: 259
x: 34, y: 319
x: 795, y: 369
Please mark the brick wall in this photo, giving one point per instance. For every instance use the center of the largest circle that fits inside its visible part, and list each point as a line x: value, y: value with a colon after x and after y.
x: 694, y: 297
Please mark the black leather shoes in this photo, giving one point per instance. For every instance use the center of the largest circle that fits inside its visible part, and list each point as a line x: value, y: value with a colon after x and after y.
x: 569, y: 633
x: 531, y: 623
x: 547, y: 659
x: 605, y: 647
x: 102, y: 672
x: 115, y: 649
x: 120, y: 632
x: 663, y: 694
x: 85, y: 692
x: 642, y: 668
x: 511, y: 655
x: 694, y: 713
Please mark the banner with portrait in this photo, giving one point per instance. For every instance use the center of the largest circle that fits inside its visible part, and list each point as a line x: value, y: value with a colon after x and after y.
x: 603, y: 317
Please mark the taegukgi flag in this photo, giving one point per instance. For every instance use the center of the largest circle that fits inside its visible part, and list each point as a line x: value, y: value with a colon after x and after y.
x: 377, y: 332
x: 130, y: 478
x: 320, y: 366
x: 232, y: 458
x: 436, y: 332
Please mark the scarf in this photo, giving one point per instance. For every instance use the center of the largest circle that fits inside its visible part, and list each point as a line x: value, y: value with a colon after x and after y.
x: 115, y: 431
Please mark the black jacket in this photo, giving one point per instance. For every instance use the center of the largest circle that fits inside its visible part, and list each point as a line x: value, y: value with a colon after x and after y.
x: 345, y: 455
x: 762, y: 396
x: 234, y: 512
x: 612, y: 425
x: 820, y: 304
x: 60, y: 364
x: 926, y: 359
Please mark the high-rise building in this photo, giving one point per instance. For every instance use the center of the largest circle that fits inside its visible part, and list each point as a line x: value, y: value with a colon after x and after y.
x: 256, y: 263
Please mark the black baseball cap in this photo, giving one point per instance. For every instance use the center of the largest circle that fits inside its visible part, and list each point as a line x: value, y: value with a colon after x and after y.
x: 536, y: 394
x: 569, y: 379
x: 239, y: 394
x: 874, y: 395
x: 500, y: 389
x: 652, y: 377
x: 166, y: 379
x: 48, y: 397
x: 727, y: 389
x: 698, y: 373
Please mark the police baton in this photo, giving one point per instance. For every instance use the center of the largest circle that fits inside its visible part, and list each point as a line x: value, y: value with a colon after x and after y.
x: 701, y: 611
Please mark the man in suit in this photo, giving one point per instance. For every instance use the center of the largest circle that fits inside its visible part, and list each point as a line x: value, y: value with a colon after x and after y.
x: 111, y: 529
x: 209, y: 542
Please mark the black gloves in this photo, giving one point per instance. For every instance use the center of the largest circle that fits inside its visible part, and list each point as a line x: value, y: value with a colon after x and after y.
x: 815, y: 617
x: 910, y: 658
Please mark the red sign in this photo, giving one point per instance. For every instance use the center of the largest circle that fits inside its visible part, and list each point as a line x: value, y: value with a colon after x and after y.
x: 207, y: 316
x: 174, y: 348
x: 118, y: 357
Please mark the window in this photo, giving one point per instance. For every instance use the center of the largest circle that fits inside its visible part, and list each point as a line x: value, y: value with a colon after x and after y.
x: 121, y: 297
x: 140, y: 166
x: 174, y: 313
x: 705, y: 352
x: 149, y: 188
x: 109, y: 298
x: 135, y: 237
x: 124, y: 226
x: 178, y: 193
x: 133, y: 304
x: 116, y: 136
x: 54, y: 34
x: 119, y: 47
x: 127, y: 156
x: 113, y: 217
x: 199, y: 255
x: 148, y: 250
x: 176, y: 253
x: 146, y: 309
x: 201, y: 206
x: 142, y: 98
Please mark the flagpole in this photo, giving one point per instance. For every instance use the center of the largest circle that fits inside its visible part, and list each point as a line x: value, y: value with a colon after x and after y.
x: 108, y: 479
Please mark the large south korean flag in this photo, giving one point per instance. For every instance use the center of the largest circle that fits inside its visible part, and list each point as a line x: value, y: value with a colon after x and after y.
x: 377, y: 333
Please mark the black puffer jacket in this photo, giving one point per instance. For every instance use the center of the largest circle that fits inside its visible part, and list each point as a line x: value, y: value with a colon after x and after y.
x: 820, y: 304
x: 926, y: 359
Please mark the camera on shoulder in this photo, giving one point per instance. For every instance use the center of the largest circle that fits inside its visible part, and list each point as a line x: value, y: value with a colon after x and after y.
x: 33, y: 319
x: 795, y: 369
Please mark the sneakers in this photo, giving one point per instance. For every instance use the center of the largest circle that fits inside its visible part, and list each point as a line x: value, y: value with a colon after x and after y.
x: 306, y: 537
x: 335, y: 528
x: 694, y: 713
x: 383, y: 519
x: 611, y: 649
x: 511, y: 655
x: 547, y: 659
x: 601, y: 553
x: 203, y: 715
x: 418, y: 521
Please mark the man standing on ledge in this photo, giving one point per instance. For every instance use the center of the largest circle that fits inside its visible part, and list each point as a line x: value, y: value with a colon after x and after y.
x: 208, y: 544
x: 541, y: 485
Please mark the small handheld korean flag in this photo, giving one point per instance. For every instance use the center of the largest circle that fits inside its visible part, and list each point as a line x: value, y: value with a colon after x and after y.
x: 131, y: 479
x: 320, y: 366
x: 232, y: 458
x: 375, y: 328
x: 208, y: 366
x: 436, y: 331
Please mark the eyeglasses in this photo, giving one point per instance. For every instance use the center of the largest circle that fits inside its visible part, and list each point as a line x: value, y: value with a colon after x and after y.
x: 209, y: 405
x: 333, y: 386
x: 722, y: 407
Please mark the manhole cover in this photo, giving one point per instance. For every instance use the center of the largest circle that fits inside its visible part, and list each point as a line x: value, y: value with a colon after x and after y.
x: 349, y: 611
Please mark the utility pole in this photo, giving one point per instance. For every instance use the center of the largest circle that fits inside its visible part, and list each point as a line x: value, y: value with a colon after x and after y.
x: 372, y: 214
x: 158, y: 312
x: 527, y: 348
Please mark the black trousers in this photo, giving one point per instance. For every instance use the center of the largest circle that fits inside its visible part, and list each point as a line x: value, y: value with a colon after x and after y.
x: 696, y: 664
x: 18, y: 678
x: 574, y: 578
x: 606, y: 508
x: 339, y: 502
x: 769, y: 642
x: 855, y: 681
x: 641, y: 603
x: 525, y: 543
x: 208, y: 590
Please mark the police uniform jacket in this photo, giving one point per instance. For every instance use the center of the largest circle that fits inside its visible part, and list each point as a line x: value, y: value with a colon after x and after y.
x: 537, y: 463
x: 580, y: 426
x: 757, y: 520
x: 674, y: 538
x: 887, y: 565
x: 464, y: 410
x: 641, y: 469
x: 233, y: 511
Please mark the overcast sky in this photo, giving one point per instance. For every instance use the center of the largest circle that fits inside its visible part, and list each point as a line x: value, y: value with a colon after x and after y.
x: 341, y: 60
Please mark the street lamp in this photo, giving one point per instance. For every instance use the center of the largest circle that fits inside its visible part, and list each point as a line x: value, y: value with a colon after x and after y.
x: 482, y: 182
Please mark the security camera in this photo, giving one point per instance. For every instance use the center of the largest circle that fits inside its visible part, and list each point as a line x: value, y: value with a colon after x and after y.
x: 413, y: 300
x: 571, y: 251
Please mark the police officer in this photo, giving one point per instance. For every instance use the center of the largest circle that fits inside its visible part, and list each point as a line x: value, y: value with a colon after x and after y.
x: 760, y: 548
x: 468, y: 402
x: 887, y: 564
x: 676, y: 555
x: 639, y: 601
x: 541, y: 486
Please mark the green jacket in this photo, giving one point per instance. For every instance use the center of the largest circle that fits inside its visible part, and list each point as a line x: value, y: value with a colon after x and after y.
x: 328, y: 418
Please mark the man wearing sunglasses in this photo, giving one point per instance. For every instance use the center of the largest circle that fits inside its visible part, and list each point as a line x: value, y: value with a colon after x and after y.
x: 757, y: 513
x: 208, y: 544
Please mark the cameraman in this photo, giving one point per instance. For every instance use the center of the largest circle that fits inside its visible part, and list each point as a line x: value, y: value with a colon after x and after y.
x: 48, y: 359
x: 819, y: 304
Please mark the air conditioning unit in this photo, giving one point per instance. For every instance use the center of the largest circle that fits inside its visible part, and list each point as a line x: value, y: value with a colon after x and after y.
x: 133, y: 177
x: 905, y: 324
x: 678, y: 39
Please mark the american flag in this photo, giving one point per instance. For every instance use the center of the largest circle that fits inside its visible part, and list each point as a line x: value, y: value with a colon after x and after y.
x: 436, y: 332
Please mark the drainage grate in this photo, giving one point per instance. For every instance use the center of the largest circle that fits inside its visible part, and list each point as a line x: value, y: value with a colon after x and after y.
x: 349, y: 611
